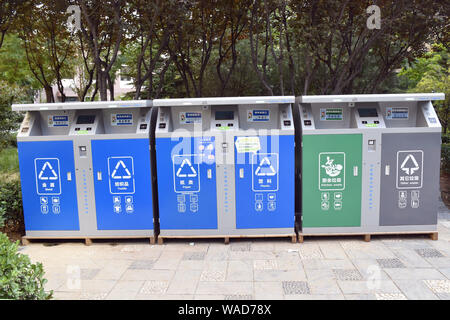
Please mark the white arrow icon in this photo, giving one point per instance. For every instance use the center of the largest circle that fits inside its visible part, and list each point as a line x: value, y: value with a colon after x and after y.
x: 410, y: 170
x: 120, y: 163
x: 265, y: 161
x: 183, y: 175
x: 47, y: 164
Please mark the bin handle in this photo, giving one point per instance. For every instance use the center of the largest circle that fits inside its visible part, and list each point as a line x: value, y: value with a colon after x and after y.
x: 69, y: 176
x: 241, y: 173
x: 355, y: 171
x: 99, y: 175
x: 387, y: 170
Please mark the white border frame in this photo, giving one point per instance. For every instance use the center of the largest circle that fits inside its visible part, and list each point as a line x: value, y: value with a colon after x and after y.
x: 198, y: 172
x: 345, y: 167
x: 132, y: 169
x: 277, y: 174
x: 421, y: 173
x: 59, y: 178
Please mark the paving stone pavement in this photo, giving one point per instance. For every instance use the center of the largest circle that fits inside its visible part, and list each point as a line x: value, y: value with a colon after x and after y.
x: 387, y: 268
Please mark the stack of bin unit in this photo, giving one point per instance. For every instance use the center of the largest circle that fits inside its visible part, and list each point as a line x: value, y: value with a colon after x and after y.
x: 370, y: 163
x: 225, y: 166
x: 86, y: 170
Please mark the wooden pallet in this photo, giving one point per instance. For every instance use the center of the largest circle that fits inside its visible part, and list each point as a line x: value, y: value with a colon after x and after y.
x: 367, y: 236
x: 227, y: 238
x: 87, y: 240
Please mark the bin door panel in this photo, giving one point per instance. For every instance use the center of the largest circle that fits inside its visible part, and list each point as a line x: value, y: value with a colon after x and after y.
x: 187, y: 195
x: 49, y: 195
x: 409, y: 178
x: 265, y: 182
x: 331, y: 180
x: 122, y: 182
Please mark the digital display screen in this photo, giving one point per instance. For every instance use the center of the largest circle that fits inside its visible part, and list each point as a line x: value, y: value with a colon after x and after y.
x: 368, y: 112
x: 224, y: 115
x: 86, y: 119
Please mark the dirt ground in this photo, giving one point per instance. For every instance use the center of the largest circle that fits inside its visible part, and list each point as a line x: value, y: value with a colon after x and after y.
x: 14, y: 232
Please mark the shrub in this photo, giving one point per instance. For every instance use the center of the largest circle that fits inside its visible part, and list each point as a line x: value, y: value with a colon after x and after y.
x: 11, y: 211
x: 445, y: 157
x: 19, y: 278
x: 9, y: 161
x: 445, y: 138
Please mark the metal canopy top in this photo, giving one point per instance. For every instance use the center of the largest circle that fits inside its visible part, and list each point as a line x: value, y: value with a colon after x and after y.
x: 372, y: 97
x: 82, y: 105
x: 223, y: 101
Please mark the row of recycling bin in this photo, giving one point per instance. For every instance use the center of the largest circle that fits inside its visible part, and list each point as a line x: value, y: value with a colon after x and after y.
x: 231, y: 166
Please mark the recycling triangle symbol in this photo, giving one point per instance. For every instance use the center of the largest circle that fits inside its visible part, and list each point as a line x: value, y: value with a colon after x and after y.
x: 265, y: 168
x: 122, y: 165
x: 50, y: 170
x: 410, y: 169
x: 192, y: 173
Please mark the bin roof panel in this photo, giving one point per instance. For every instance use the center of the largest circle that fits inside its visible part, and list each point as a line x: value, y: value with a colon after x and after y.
x: 223, y: 101
x: 372, y: 97
x: 81, y: 105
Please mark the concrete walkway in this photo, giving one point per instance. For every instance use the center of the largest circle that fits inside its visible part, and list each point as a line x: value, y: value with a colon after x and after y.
x: 388, y: 267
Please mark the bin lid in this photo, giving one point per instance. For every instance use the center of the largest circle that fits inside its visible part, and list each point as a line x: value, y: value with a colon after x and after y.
x: 222, y: 101
x: 372, y: 97
x: 82, y: 105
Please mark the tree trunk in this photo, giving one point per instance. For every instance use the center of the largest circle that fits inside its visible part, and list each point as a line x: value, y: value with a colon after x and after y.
x: 49, y: 94
x: 111, y: 87
x: 102, y: 87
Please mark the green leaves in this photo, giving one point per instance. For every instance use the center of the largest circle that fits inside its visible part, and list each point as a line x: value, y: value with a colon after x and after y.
x: 431, y: 73
x: 19, y: 278
x: 9, y: 120
x: 11, y: 202
x: 445, y: 157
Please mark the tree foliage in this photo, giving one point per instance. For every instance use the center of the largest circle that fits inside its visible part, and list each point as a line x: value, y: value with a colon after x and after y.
x: 9, y: 120
x: 431, y: 73
x: 229, y: 47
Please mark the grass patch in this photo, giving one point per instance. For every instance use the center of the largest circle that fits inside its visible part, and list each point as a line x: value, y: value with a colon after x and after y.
x: 9, y: 161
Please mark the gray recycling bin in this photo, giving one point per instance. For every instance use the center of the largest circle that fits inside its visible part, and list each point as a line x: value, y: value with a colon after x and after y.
x: 369, y: 163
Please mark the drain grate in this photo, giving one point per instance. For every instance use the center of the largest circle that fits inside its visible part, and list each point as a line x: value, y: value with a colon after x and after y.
x: 391, y: 263
x: 194, y: 256
x: 429, y: 253
x: 142, y: 264
x: 347, y: 274
x: 296, y: 287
